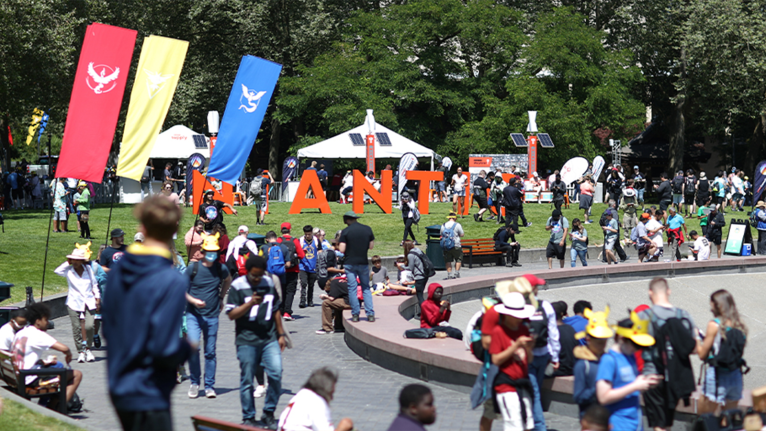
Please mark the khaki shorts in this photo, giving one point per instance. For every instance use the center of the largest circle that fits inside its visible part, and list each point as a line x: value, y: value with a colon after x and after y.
x: 454, y: 255
x: 489, y: 411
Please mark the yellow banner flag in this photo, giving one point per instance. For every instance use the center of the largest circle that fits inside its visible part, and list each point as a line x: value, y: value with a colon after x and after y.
x: 37, y: 116
x: 156, y: 78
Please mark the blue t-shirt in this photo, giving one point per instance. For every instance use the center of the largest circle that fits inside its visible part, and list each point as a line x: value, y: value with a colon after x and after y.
x: 578, y: 323
x: 13, y: 180
x: 676, y: 221
x: 608, y: 234
x: 621, y: 370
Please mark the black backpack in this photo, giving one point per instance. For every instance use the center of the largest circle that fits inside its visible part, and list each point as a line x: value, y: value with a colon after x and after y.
x: 496, y: 236
x: 428, y: 266
x: 678, y: 183
x: 704, y: 186
x: 602, y: 220
x: 292, y: 253
x: 477, y: 349
x: 538, y: 325
x: 730, y: 351
x: 690, y: 184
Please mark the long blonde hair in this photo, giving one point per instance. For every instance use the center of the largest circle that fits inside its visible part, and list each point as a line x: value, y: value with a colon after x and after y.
x: 725, y: 308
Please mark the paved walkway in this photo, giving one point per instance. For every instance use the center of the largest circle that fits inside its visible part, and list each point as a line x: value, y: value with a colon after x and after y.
x: 366, y: 393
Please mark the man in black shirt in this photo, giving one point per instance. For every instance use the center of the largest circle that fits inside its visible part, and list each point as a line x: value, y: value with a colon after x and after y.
x: 211, y: 210
x: 333, y: 304
x: 506, y: 242
x: 512, y: 202
x: 355, y: 241
x: 260, y: 338
x: 114, y: 252
x: 559, y: 189
x: 567, y: 340
x: 480, y: 188
x: 665, y: 192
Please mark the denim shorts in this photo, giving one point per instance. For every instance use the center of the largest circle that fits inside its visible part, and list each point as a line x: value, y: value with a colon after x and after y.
x: 440, y: 186
x: 729, y: 385
x: 678, y: 198
x: 460, y: 192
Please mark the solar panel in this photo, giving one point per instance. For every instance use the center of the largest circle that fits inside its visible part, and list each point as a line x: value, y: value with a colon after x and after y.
x: 519, y: 140
x: 383, y: 140
x: 356, y: 139
x: 199, y: 141
x: 545, y: 140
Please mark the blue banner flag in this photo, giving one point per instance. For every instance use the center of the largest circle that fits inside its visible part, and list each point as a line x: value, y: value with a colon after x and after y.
x: 248, y: 100
x: 759, y: 183
x: 43, y: 125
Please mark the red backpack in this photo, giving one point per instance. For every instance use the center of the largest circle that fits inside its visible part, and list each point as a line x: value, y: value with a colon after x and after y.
x: 241, y: 259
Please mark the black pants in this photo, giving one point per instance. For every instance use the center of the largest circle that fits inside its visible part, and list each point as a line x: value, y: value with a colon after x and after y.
x: 408, y: 222
x: 617, y: 249
x: 557, y: 204
x: 420, y: 288
x: 431, y: 332
x: 288, y: 292
x: 498, y: 207
x: 511, y: 251
x: 521, y: 215
x: 761, y: 242
x: 152, y: 420
x: 84, y: 225
x: 512, y: 217
x: 307, y: 287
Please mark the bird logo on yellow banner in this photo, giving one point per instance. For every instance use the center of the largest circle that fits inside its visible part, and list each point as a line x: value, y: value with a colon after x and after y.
x: 155, y: 82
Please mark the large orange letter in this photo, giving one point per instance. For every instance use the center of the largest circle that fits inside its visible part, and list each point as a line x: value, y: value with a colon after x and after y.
x: 382, y: 197
x: 425, y: 178
x: 200, y: 184
x: 309, y: 181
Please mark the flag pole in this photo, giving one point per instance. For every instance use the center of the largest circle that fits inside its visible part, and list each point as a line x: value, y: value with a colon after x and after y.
x: 115, y: 190
x: 50, y: 221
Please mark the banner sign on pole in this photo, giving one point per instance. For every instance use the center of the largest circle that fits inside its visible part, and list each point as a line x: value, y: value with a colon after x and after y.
x: 156, y: 78
x: 573, y: 169
x: 196, y: 162
x: 289, y: 169
x: 407, y: 163
x: 248, y: 100
x: 370, y: 154
x: 99, y: 85
x: 598, y: 166
x: 759, y: 183
x: 532, y: 151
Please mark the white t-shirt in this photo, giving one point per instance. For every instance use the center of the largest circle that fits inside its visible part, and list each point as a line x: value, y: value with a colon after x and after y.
x: 32, y: 343
x: 348, y: 181
x: 651, y: 225
x: 306, y: 411
x: 405, y: 275
x: 6, y: 337
x: 702, y: 247
x: 459, y: 181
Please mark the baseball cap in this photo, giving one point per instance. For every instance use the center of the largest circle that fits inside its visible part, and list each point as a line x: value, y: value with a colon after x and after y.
x: 242, y: 229
x: 556, y: 213
x: 350, y: 214
x: 116, y: 233
x: 534, y: 280
x: 286, y: 225
x: 635, y: 167
x: 209, y: 191
x: 452, y: 215
x: 139, y: 237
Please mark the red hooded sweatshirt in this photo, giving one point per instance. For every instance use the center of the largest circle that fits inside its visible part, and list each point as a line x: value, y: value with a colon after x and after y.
x: 430, y: 313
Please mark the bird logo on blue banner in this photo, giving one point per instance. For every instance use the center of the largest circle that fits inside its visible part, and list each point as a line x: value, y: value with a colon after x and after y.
x: 254, y: 84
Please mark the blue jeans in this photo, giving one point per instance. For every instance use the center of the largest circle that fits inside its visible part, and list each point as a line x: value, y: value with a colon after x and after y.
x: 640, y: 195
x: 270, y: 356
x: 363, y: 272
x: 574, y: 254
x: 196, y: 327
x: 536, y: 376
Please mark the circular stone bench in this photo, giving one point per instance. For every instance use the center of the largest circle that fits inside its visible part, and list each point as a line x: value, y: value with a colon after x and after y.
x: 448, y: 363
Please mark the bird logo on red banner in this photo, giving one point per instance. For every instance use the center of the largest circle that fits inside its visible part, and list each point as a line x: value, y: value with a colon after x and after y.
x: 100, y: 82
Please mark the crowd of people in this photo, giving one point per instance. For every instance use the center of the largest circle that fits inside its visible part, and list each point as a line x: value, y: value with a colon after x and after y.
x: 522, y: 339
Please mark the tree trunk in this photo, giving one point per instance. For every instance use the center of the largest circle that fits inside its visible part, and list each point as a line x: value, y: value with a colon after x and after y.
x: 677, y: 144
x: 5, y: 144
x: 276, y: 129
x: 756, y: 148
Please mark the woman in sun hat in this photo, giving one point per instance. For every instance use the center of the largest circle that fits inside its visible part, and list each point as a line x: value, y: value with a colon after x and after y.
x: 83, y: 299
x: 618, y: 383
x: 511, y: 350
x: 597, y: 332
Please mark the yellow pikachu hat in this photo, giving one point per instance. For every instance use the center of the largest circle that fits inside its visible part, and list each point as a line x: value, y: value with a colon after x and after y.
x: 210, y: 242
x: 85, y: 249
x: 597, y: 327
x: 639, y: 332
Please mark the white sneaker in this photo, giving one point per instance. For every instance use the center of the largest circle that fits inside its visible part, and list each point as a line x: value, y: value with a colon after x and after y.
x: 89, y: 356
x: 259, y: 391
x: 81, y: 357
x: 193, y: 391
x: 210, y: 393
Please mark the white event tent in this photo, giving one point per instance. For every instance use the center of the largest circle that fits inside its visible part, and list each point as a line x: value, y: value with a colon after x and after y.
x: 178, y: 142
x: 351, y: 145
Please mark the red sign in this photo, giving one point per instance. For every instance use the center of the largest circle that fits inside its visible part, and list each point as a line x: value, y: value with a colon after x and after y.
x: 532, y: 152
x: 370, y: 153
x: 480, y: 162
x: 99, y: 84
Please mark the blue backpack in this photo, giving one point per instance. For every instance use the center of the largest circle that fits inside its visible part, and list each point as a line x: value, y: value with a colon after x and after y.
x: 276, y: 262
x: 448, y: 237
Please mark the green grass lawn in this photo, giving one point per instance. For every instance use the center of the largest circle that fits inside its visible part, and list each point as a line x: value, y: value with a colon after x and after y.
x: 22, y: 246
x: 16, y: 417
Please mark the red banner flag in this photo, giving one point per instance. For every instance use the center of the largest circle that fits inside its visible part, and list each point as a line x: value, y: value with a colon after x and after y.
x: 99, y: 85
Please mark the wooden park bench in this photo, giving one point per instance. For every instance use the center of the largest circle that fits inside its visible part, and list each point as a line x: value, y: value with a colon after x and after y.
x: 16, y: 380
x: 482, y: 248
x: 202, y: 423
